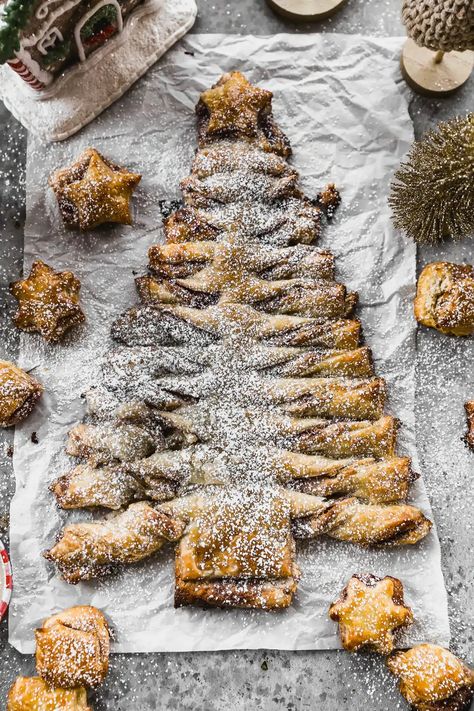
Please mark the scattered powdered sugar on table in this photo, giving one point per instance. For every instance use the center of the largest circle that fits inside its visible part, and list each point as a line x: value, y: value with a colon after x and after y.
x: 342, y: 128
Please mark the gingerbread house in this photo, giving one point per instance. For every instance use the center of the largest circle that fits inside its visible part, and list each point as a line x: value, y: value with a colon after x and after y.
x: 39, y: 39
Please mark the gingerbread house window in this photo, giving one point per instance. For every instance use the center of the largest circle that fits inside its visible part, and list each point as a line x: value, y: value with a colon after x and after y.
x: 88, y: 21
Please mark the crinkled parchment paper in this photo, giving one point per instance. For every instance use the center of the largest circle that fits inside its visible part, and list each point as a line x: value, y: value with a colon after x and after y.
x: 338, y: 99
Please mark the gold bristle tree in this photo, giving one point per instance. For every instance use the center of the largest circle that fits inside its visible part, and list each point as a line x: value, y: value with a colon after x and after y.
x: 432, y: 195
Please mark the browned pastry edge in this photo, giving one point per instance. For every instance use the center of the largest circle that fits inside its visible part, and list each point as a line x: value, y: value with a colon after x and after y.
x: 336, y: 440
x: 76, y: 545
x: 25, y: 410
x: 469, y: 407
x: 253, y: 593
x: 184, y: 259
x: 459, y: 701
x: 137, y: 488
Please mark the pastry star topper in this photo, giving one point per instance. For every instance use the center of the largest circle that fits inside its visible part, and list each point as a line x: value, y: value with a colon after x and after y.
x: 234, y: 105
x: 368, y: 612
x: 94, y: 191
x: 48, y: 301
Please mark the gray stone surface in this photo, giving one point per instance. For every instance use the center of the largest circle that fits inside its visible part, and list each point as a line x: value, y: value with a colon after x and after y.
x: 268, y: 681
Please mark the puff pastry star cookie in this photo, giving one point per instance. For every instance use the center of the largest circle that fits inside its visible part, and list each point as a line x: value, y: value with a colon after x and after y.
x: 234, y: 105
x: 72, y: 648
x: 236, y: 108
x: 19, y: 393
x: 34, y: 694
x: 48, y: 301
x: 432, y: 678
x: 369, y: 610
x: 445, y: 298
x: 93, y: 191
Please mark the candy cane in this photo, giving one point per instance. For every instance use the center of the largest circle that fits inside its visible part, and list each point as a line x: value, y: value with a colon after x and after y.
x: 23, y: 71
x: 7, y: 574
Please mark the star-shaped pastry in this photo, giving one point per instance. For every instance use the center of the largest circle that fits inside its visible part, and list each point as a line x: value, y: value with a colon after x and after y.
x: 48, y: 301
x: 234, y: 105
x: 93, y: 191
x: 368, y: 612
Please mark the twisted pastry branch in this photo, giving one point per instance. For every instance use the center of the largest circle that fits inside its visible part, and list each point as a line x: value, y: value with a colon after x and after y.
x: 89, y: 550
x: 169, y: 325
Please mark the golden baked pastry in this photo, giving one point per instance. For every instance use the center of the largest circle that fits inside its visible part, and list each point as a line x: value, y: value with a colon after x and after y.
x: 19, y: 393
x: 469, y: 407
x: 234, y: 107
x: 34, y: 694
x: 168, y: 324
x: 121, y: 367
x: 287, y: 222
x: 237, y: 549
x: 230, y: 278
x: 365, y: 524
x: 189, y: 225
x: 374, y: 482
x: 248, y: 594
x: 445, y: 298
x: 72, y: 648
x: 104, y: 443
x: 89, y: 550
x: 183, y: 259
x: 369, y: 611
x: 48, y: 301
x: 433, y: 679
x: 308, y: 436
x: 93, y: 191
x: 110, y: 487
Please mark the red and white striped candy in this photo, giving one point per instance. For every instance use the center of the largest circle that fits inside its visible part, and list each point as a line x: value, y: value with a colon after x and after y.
x: 18, y: 67
x: 6, y: 583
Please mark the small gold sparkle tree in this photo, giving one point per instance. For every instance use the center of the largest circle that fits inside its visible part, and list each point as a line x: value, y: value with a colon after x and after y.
x: 432, y: 194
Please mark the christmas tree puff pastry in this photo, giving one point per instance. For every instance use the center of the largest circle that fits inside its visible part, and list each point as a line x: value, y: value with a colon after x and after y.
x: 239, y: 411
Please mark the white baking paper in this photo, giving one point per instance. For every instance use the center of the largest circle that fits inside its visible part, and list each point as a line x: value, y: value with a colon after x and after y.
x: 339, y: 99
